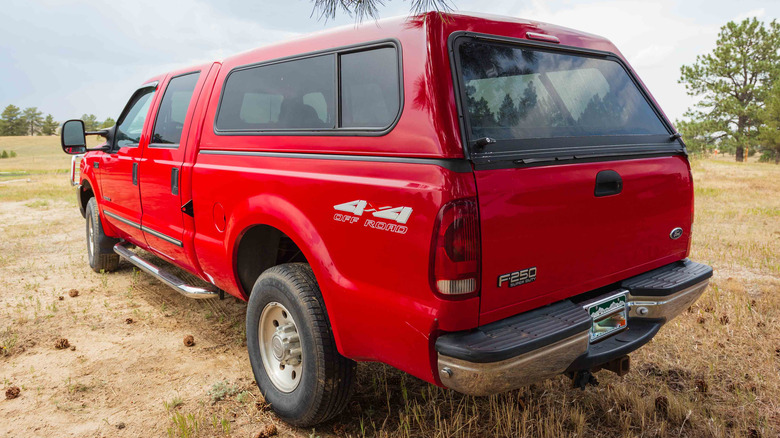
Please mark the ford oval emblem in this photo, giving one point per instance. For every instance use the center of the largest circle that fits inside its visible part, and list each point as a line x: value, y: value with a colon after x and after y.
x: 676, y: 233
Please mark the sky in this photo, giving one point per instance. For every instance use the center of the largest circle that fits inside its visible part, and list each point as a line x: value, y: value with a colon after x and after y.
x: 71, y: 57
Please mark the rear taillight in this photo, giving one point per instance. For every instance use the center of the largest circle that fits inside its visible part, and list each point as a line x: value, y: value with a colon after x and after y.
x: 455, y: 251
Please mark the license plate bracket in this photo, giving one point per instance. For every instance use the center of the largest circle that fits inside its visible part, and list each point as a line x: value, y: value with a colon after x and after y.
x: 609, y: 315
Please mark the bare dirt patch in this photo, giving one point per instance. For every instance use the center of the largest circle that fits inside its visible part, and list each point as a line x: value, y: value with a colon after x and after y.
x: 130, y: 359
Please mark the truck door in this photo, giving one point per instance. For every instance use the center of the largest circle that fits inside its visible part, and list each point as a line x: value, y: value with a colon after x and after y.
x: 161, y: 165
x: 119, y: 168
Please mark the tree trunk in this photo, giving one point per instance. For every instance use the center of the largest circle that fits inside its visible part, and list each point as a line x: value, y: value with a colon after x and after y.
x: 740, y: 154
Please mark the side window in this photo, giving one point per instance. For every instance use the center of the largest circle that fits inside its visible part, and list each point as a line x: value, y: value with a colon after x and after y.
x: 131, y: 124
x: 300, y: 94
x: 296, y: 94
x: 370, y: 95
x: 173, y: 109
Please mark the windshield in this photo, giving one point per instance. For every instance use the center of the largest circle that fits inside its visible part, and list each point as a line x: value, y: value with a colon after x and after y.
x: 513, y: 92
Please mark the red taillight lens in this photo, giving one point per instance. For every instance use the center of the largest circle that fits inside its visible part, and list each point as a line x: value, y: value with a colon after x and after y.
x: 455, y: 252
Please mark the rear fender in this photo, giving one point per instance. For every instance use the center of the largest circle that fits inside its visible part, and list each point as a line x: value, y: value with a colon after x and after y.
x: 277, y: 212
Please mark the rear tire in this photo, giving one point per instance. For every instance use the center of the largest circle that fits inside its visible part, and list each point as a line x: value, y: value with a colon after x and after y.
x: 287, y: 330
x: 100, y: 248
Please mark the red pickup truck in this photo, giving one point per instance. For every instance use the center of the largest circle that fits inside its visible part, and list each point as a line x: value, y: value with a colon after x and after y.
x: 479, y: 201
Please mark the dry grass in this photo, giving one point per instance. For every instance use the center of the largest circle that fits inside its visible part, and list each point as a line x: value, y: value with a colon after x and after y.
x: 36, y: 155
x: 714, y: 371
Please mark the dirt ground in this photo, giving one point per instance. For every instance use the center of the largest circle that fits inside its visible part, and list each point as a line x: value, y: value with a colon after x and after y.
x: 127, y: 356
x: 715, y: 371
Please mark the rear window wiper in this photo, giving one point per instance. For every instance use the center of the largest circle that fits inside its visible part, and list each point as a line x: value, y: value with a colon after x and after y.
x: 484, y: 141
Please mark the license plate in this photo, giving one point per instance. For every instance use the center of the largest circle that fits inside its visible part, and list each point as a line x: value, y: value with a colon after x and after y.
x: 609, y: 316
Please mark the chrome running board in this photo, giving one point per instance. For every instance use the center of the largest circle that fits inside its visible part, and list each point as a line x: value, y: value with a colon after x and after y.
x: 166, y: 277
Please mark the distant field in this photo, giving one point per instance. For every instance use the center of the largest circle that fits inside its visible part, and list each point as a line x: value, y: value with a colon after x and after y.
x: 713, y: 371
x: 36, y: 154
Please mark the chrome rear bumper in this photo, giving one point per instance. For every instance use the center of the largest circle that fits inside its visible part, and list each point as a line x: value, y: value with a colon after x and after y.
x: 494, y: 377
x: 474, y: 375
x: 664, y: 307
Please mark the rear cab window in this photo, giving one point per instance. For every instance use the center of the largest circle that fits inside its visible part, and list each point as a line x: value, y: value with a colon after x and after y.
x: 343, y: 92
x: 528, y: 103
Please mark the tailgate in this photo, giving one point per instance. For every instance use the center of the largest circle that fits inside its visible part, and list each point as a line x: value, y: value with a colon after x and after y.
x: 581, y: 181
x: 545, y: 234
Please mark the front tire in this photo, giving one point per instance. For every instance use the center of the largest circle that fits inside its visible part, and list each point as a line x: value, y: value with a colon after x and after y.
x: 292, y: 350
x: 100, y: 248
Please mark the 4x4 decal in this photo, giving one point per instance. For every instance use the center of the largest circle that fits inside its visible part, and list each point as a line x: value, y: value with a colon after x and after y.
x: 400, y: 215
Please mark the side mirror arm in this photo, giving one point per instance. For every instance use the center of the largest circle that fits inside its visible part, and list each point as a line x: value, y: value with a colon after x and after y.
x: 105, y: 133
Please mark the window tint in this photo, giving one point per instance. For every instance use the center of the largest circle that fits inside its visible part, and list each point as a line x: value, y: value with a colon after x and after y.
x: 296, y: 94
x: 369, y: 87
x: 257, y: 108
x: 519, y: 93
x: 131, y: 125
x: 300, y: 94
x: 173, y: 109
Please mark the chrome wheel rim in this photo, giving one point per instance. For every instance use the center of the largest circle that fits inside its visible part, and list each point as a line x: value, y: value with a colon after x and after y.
x: 90, y: 238
x: 280, y: 347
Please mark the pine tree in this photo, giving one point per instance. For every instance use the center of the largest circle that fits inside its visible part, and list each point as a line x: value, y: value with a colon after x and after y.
x: 109, y: 122
x: 49, y: 126
x: 733, y: 81
x: 11, y: 121
x: 770, y: 132
x: 32, y: 120
x: 362, y: 9
x: 90, y: 122
x: 508, y: 114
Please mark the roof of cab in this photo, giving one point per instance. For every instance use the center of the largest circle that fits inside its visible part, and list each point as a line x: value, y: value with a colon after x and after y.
x: 433, y: 23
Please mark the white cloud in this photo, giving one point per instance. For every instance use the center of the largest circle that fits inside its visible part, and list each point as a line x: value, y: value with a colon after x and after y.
x: 75, y: 57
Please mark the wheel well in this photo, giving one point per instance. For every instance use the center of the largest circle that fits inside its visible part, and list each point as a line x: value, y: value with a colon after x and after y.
x: 260, y: 248
x: 85, y: 192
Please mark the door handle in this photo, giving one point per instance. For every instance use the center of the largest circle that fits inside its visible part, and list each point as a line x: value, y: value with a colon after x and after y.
x: 135, y: 174
x: 608, y: 182
x: 175, y: 181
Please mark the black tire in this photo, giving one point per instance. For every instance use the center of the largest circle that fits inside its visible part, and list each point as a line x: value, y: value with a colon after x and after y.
x: 327, y: 377
x: 100, y: 248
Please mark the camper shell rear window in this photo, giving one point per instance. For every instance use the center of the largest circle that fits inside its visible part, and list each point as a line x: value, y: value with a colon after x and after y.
x: 528, y: 101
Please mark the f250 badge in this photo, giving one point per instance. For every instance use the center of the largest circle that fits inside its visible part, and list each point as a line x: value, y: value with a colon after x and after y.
x: 517, y: 278
x: 400, y: 215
